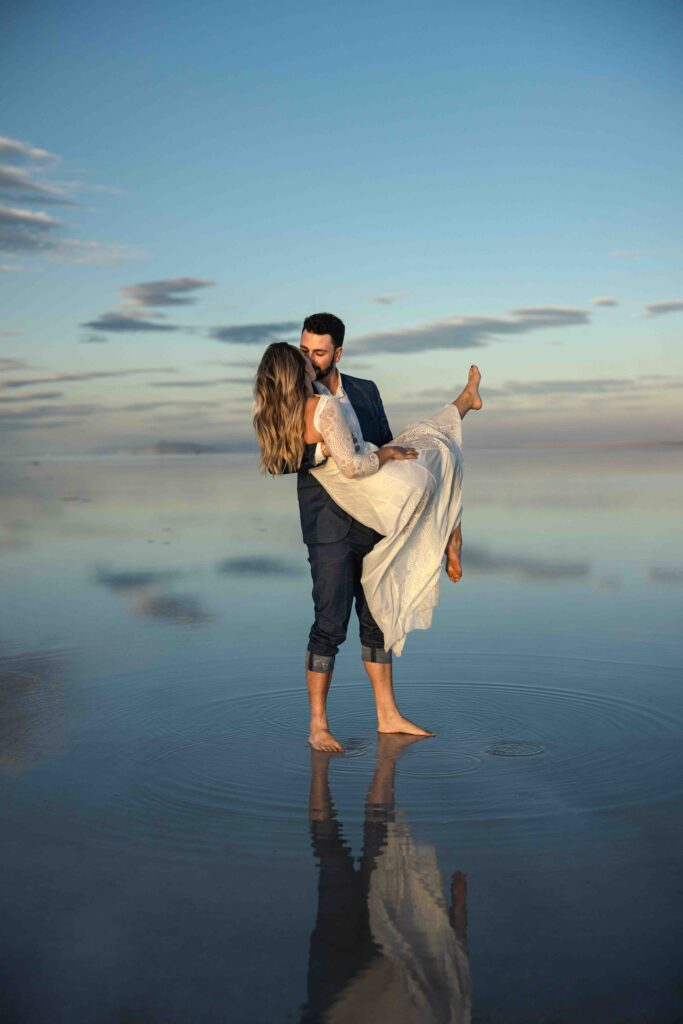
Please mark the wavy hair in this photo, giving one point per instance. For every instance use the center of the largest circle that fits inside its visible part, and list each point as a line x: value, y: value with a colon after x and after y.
x: 279, y: 404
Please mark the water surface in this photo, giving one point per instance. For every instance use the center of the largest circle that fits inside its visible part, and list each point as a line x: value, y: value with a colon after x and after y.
x: 173, y: 850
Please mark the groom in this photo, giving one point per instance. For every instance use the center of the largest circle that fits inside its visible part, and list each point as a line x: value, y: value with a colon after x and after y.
x: 337, y: 544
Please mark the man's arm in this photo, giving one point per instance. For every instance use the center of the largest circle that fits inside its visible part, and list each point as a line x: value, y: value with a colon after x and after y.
x: 385, y: 430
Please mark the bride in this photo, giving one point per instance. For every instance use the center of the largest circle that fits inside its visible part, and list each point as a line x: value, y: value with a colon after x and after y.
x: 416, y: 506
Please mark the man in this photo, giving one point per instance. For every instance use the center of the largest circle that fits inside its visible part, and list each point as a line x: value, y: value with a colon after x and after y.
x: 337, y: 544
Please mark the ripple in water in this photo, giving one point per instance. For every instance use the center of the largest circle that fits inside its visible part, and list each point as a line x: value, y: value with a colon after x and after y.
x: 228, y: 776
x: 514, y: 748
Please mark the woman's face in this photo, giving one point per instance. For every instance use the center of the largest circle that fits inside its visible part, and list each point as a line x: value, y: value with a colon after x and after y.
x: 311, y: 374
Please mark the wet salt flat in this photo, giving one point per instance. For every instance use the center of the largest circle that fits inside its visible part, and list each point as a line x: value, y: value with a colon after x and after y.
x: 173, y: 851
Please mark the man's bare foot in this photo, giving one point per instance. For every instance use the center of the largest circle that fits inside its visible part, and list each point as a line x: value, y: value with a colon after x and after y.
x: 472, y: 387
x: 397, y: 723
x: 390, y: 745
x: 322, y: 739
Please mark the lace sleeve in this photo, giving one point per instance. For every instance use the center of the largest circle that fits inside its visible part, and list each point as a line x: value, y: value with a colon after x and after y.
x: 329, y: 420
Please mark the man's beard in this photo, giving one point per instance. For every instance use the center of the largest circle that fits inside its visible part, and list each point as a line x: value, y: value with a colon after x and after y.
x: 321, y: 372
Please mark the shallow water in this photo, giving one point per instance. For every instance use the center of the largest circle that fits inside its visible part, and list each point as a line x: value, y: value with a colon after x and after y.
x: 172, y: 851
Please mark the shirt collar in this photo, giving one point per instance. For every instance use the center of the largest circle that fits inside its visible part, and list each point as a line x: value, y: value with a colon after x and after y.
x: 322, y: 390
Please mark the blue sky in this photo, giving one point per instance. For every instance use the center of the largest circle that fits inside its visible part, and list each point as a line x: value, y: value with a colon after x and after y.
x: 459, y: 182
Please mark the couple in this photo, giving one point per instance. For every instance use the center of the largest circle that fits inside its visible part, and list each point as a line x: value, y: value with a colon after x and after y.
x: 377, y: 513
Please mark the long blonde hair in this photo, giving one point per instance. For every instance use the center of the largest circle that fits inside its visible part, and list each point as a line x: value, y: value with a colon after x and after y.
x: 279, y: 404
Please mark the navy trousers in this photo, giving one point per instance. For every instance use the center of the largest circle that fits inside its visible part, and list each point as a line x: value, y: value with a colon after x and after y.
x: 336, y: 570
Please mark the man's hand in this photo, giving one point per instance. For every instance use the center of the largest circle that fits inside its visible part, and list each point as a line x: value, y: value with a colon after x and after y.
x: 400, y: 453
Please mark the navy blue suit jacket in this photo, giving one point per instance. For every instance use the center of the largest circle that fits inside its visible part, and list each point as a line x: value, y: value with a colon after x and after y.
x: 322, y: 520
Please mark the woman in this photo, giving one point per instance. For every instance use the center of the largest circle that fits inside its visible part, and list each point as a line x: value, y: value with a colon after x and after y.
x: 416, y: 507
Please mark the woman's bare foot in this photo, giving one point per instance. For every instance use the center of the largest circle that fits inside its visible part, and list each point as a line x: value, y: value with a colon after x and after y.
x: 453, y: 552
x: 322, y: 739
x: 472, y: 387
x: 397, y: 723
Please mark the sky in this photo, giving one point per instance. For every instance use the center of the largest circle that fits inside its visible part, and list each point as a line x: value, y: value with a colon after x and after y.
x: 181, y: 184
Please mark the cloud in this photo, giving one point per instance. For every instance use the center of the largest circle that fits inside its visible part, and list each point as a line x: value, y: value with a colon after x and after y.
x: 17, y: 181
x: 38, y: 396
x: 91, y: 254
x: 257, y: 565
x: 13, y: 149
x: 122, y: 322
x: 659, y: 308
x: 26, y: 230
x: 9, y: 365
x: 170, y: 292
x: 256, y: 334
x: 604, y: 300
x: 34, y: 232
x: 388, y: 298
x: 201, y: 383
x: 40, y: 411
x: 470, y: 331
x: 10, y: 268
x: 83, y: 375
x: 173, y: 402
x: 599, y: 385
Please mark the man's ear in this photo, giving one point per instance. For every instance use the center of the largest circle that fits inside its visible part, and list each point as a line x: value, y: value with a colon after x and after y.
x: 337, y: 354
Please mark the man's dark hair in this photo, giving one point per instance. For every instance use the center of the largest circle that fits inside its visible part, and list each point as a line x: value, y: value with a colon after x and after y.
x: 326, y: 323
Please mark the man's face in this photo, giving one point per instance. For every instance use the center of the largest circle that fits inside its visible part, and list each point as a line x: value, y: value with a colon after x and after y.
x: 321, y: 351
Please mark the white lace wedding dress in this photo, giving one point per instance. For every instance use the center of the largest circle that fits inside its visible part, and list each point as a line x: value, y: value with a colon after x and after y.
x: 415, y: 504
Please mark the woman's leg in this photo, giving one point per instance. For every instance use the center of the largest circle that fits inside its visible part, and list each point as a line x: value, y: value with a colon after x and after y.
x: 469, y: 397
x: 453, y: 551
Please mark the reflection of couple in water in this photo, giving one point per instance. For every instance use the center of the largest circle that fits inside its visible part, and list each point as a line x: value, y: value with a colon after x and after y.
x: 385, y: 946
x: 378, y: 514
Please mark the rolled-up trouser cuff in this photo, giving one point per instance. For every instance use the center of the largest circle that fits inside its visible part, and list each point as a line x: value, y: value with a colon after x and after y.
x: 319, y: 662
x: 376, y: 654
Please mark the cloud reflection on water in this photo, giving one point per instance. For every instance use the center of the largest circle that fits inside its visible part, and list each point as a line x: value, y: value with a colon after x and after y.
x: 258, y: 565
x: 481, y: 560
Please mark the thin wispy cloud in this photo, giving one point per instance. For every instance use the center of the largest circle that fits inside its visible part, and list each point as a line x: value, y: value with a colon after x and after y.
x: 176, y: 403
x: 604, y: 300
x: 387, y: 298
x: 39, y: 396
x: 471, y: 331
x: 35, y: 232
x: 211, y: 382
x: 17, y: 151
x: 83, y: 375
x: 176, y: 291
x: 10, y: 365
x: 256, y: 334
x: 118, y: 323
x: 17, y: 182
x: 26, y: 230
x: 660, y: 308
x: 42, y: 411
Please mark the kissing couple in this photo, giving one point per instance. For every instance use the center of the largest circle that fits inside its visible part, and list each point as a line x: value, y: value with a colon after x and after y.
x: 378, y: 513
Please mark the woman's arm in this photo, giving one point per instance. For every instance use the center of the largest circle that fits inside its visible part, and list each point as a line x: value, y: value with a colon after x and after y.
x: 338, y: 441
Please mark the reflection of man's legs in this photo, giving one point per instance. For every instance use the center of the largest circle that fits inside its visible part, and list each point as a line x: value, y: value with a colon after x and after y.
x: 341, y: 943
